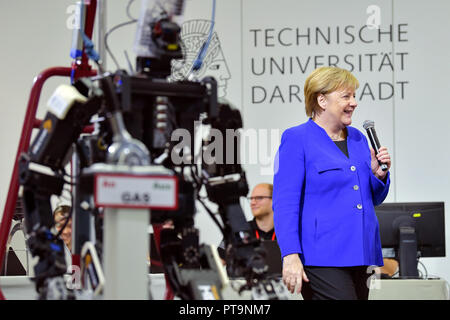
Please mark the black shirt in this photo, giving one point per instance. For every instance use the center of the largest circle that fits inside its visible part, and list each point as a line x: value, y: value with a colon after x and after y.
x: 343, y: 146
x: 259, y: 234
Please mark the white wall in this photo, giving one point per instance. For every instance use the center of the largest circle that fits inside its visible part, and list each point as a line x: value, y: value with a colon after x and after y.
x: 422, y: 118
x: 412, y: 122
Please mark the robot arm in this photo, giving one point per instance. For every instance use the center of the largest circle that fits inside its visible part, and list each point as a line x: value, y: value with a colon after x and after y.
x: 142, y: 113
x: 42, y: 175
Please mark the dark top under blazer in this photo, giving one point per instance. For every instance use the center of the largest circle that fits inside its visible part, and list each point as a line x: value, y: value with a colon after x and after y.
x: 324, y: 202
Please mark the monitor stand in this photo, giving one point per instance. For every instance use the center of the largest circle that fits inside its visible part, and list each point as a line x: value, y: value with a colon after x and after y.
x: 407, y: 253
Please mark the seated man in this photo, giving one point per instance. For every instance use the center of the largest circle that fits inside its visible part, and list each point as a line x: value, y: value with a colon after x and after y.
x: 262, y: 222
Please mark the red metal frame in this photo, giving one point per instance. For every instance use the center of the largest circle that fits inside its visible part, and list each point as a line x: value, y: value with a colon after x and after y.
x: 157, y: 227
x: 81, y: 70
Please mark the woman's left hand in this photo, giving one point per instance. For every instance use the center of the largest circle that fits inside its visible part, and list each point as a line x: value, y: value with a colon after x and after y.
x: 384, y: 157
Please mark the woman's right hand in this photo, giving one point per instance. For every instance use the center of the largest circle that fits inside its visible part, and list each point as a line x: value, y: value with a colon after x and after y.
x: 293, y: 272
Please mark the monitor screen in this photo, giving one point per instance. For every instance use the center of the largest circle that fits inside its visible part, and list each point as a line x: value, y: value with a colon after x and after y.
x: 427, y: 218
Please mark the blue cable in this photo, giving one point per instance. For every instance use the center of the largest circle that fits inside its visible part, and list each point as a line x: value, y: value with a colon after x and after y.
x: 199, y: 61
x: 88, y: 44
x: 72, y: 76
x: 89, y: 48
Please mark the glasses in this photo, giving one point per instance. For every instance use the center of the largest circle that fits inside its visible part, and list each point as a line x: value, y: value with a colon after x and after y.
x: 258, y: 198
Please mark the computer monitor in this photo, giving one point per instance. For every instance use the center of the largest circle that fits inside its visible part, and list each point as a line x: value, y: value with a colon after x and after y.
x: 12, y: 265
x: 413, y: 230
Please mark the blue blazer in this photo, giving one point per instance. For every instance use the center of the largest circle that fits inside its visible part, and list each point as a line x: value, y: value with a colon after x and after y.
x: 324, y: 202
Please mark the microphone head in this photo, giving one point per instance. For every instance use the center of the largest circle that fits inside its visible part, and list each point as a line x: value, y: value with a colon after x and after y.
x: 368, y: 124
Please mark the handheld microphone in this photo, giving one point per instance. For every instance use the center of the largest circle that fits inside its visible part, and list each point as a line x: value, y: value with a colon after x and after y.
x: 369, y: 125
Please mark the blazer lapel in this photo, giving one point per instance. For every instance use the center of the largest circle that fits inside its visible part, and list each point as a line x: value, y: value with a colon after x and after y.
x: 322, y: 137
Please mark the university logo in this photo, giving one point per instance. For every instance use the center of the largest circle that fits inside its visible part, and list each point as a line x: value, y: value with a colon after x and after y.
x: 193, y: 34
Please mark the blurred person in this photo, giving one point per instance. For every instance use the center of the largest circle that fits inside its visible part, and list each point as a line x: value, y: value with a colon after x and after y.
x: 61, y: 214
x: 327, y: 181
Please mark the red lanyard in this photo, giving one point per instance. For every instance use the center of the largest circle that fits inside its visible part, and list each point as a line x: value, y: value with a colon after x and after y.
x: 257, y: 235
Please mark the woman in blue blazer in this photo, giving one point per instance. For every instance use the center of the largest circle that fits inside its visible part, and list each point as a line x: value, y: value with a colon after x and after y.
x: 327, y: 181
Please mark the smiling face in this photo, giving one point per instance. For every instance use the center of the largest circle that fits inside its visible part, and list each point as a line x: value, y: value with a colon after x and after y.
x: 338, y: 107
x: 261, y: 201
x: 323, y: 84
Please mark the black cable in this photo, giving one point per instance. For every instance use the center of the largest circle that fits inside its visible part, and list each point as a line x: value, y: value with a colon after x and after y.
x: 212, y: 216
x: 106, y: 39
x: 68, y: 182
x: 63, y: 174
x: 198, y: 182
x: 128, y: 10
x: 426, y: 271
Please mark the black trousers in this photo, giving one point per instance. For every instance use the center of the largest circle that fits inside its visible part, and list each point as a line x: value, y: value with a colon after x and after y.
x: 336, y: 283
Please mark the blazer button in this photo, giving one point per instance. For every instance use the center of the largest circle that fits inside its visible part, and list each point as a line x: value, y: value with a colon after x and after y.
x: 355, y: 187
x: 353, y: 168
x: 359, y: 206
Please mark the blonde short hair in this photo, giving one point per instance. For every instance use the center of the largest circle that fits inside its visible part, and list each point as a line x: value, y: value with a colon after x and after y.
x: 62, y: 210
x: 325, y: 80
x: 268, y: 186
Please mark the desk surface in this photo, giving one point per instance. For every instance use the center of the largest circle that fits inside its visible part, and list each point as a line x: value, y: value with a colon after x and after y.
x: 409, y: 289
x: 22, y: 288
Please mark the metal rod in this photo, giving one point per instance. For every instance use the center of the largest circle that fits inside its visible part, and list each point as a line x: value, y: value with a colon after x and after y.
x: 101, y: 31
